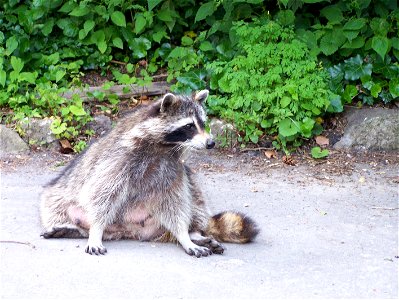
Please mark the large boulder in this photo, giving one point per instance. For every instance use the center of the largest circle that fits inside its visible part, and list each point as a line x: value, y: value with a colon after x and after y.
x: 11, y: 142
x: 371, y: 129
x: 38, y: 131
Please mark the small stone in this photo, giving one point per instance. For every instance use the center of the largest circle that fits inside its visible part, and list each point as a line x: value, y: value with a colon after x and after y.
x: 100, y: 125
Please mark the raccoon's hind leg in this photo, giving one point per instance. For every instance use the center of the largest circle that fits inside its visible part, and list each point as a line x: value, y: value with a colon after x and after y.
x: 64, y: 231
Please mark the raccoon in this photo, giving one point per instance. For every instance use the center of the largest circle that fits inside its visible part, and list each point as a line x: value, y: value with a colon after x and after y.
x: 133, y: 184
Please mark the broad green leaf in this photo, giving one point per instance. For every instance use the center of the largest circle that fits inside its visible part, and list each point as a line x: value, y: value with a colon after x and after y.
x: 351, y: 34
x: 306, y: 127
x: 80, y: 11
x: 140, y: 23
x: 335, y: 104
x: 332, y: 40
x: 152, y: 4
x: 379, y: 26
x: 354, y: 68
x: 97, y: 36
x: 117, y: 42
x: 118, y: 18
x: 102, y: 46
x: 17, y: 64
x: 165, y: 15
x: 59, y: 75
x: 186, y: 41
x: 28, y: 77
x: 287, y: 128
x: 194, y: 79
x: 88, y: 25
x: 69, y: 27
x: 139, y: 47
x: 349, y: 93
x: 11, y: 45
x: 333, y: 14
x: 204, y: 11
x: 206, y: 46
x: 380, y: 45
x: 395, y: 43
x: 3, y: 76
x: 67, y: 7
x: 285, y: 101
x: 254, y: 138
x: 318, y: 153
x: 82, y: 34
x: 285, y: 17
x: 157, y: 36
x: 77, y: 110
x: 48, y: 27
x: 375, y: 90
x: 354, y: 44
x: 394, y: 87
x: 355, y: 24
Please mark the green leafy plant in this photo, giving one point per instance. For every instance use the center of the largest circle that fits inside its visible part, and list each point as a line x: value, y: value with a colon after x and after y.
x: 272, y: 85
x: 317, y: 153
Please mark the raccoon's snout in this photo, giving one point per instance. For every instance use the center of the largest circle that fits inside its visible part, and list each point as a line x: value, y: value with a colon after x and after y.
x: 210, y: 144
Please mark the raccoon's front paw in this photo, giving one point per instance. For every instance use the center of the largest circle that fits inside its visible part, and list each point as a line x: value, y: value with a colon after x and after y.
x: 100, y: 249
x: 199, y: 251
x: 210, y: 243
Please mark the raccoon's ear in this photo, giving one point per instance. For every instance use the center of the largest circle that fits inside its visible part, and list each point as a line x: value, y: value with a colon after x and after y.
x: 201, y: 96
x: 168, y: 100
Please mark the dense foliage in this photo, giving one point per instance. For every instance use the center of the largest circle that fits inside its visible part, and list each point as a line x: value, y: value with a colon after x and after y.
x: 339, y: 52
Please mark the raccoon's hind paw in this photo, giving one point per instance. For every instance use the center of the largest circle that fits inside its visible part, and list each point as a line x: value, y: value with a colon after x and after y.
x: 96, y: 249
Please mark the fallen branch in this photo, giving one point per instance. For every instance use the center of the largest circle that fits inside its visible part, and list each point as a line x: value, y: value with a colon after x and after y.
x: 385, y: 208
x: 153, y: 89
x: 255, y: 149
x: 21, y: 243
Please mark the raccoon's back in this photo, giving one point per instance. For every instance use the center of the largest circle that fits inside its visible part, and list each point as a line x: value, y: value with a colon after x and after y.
x: 232, y: 227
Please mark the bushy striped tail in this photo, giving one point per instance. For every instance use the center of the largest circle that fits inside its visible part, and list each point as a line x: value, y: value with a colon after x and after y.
x: 232, y: 227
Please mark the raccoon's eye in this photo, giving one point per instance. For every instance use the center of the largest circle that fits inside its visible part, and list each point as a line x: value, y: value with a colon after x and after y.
x: 189, y: 126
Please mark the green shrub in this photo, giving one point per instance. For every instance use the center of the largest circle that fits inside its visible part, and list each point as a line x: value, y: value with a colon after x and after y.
x: 272, y: 85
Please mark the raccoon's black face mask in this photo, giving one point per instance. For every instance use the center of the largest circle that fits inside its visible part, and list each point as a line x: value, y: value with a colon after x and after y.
x: 186, y: 121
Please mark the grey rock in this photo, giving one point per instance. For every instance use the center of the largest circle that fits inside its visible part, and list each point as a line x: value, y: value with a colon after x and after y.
x: 223, y: 133
x: 11, y: 142
x: 371, y: 129
x: 100, y: 125
x: 37, y: 131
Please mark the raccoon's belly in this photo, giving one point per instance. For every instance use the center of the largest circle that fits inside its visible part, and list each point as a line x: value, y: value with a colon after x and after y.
x: 135, y: 223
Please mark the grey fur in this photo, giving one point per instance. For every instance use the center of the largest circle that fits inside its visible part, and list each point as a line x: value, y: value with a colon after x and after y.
x: 132, y: 183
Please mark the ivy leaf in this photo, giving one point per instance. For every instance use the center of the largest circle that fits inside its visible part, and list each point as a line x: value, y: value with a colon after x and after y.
x: 204, y: 11
x: 379, y: 26
x: 394, y: 87
x: 375, y: 90
x: 186, y: 41
x: 59, y: 75
x: 335, y: 104
x: 287, y: 128
x: 349, y: 93
x: 318, y: 153
x: 380, y: 45
x: 354, y: 68
x: 118, y: 18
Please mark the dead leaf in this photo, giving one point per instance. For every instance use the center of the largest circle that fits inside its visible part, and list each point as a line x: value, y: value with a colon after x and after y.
x: 288, y: 160
x: 322, y: 140
x: 65, y: 147
x: 271, y: 154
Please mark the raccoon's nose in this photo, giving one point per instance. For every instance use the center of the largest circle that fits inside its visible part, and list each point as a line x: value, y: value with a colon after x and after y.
x: 210, y: 144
